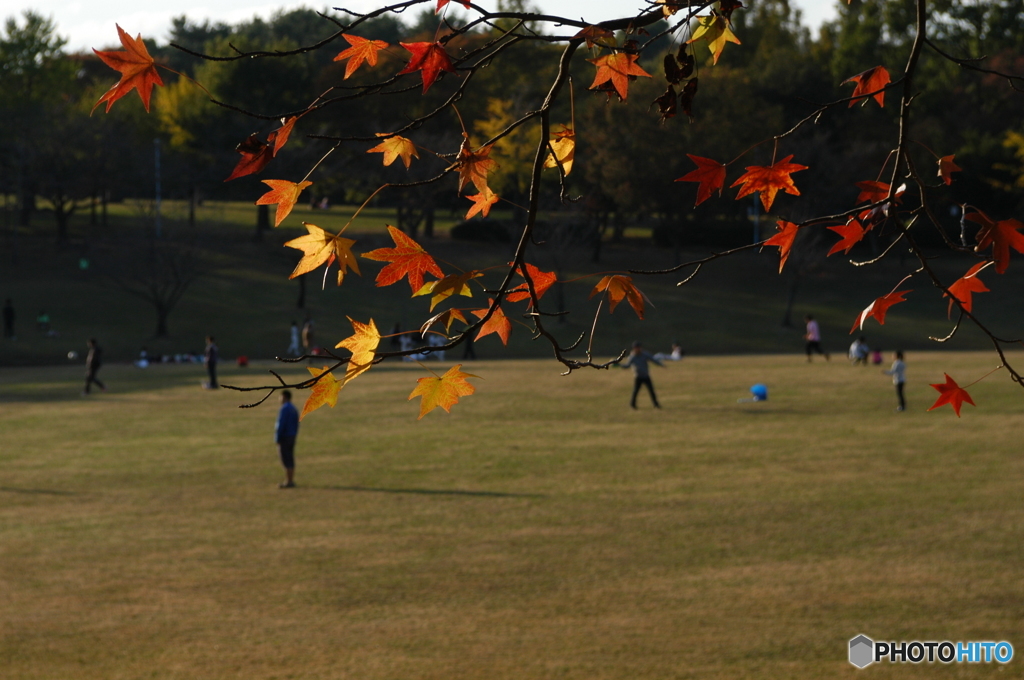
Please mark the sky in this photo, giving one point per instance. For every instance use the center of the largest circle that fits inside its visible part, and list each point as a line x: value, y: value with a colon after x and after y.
x: 90, y: 23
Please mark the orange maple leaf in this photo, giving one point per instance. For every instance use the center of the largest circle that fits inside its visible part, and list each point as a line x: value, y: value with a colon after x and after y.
x: 595, y: 35
x: 717, y: 30
x: 444, y: 391
x: 878, y: 308
x: 498, y: 323
x: 946, y: 169
x: 447, y: 317
x: 361, y: 50
x: 474, y: 166
x: 280, y: 136
x: 962, y: 288
x: 430, y: 59
x: 394, y: 147
x: 619, y: 287
x: 441, y: 5
x: 711, y: 175
x: 325, y: 391
x: 482, y: 203
x: 363, y: 345
x: 453, y: 284
x: 407, y: 258
x: 872, y: 191
x: 318, y: 247
x: 617, y: 68
x: 1001, y: 235
x: 563, y: 146
x: 542, y: 281
x: 952, y: 394
x: 283, y: 193
x: 768, y: 180
x: 852, y: 233
x: 873, y: 80
x: 138, y: 71
x: 784, y: 240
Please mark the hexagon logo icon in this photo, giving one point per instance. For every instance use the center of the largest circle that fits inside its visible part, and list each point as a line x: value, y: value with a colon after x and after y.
x: 862, y: 650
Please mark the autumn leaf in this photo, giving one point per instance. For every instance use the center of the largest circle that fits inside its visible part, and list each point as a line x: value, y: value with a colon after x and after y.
x: 498, y: 323
x: 946, y: 169
x: 564, y: 147
x: 325, y: 391
x: 444, y: 391
x: 482, y: 203
x: 430, y: 59
x: 617, y: 69
x: 872, y: 80
x: 363, y: 345
x: 255, y: 155
x: 878, y: 308
x: 768, y: 180
x: 441, y: 5
x: 393, y: 147
x: 474, y: 166
x: 962, y: 288
x: 407, y: 258
x: 618, y: 288
x: 1001, y: 235
x: 320, y: 246
x: 952, y: 394
x: 595, y: 35
x: 852, y: 233
x: 711, y: 175
x: 279, y: 137
x: 784, y: 240
x: 873, y: 192
x: 447, y: 317
x: 717, y: 31
x: 542, y: 281
x: 453, y: 284
x: 361, y: 50
x: 138, y: 71
x: 283, y: 193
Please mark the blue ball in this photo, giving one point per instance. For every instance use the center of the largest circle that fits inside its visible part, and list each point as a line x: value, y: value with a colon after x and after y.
x: 759, y: 391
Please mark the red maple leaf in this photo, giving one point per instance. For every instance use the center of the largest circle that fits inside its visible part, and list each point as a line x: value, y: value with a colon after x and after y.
x: 872, y: 80
x: 498, y: 323
x: 878, y: 308
x: 873, y: 192
x: 279, y: 137
x: 138, y: 71
x: 1001, y: 235
x: 430, y: 59
x: 962, y: 288
x: 407, y: 258
x: 711, y: 175
x: 784, y: 240
x: 441, y: 5
x: 952, y: 394
x: 361, y: 50
x: 946, y: 169
x: 618, y: 69
x: 769, y: 180
x: 255, y: 155
x: 542, y: 281
x: 852, y: 234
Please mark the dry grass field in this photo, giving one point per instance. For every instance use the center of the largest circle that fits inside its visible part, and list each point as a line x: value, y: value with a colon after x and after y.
x: 541, y: 530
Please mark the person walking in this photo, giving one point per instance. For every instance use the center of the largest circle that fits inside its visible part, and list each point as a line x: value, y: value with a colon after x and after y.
x: 813, y: 338
x: 639, y: 360
x: 898, y: 371
x: 293, y: 347
x: 285, y: 432
x: 210, y: 357
x: 9, y: 320
x: 92, y: 366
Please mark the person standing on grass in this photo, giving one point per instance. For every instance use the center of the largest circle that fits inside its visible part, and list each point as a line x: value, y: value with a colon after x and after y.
x: 92, y: 366
x: 898, y: 371
x: 293, y: 346
x: 813, y: 338
x: 639, y: 360
x: 9, y: 320
x: 210, y: 357
x: 285, y: 432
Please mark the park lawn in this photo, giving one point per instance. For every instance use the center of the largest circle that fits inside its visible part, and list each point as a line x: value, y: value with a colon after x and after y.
x: 542, y: 529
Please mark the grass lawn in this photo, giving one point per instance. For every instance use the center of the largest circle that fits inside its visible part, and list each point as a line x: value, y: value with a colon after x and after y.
x: 540, y: 530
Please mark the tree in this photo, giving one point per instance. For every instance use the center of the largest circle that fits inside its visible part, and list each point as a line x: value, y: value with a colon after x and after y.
x: 882, y: 166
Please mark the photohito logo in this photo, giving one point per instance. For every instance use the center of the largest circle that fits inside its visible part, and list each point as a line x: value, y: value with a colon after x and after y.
x: 864, y: 651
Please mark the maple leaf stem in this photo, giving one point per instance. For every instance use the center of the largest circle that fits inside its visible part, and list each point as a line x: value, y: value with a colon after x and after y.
x: 997, y: 368
x: 188, y: 78
x: 317, y: 164
x: 360, y: 208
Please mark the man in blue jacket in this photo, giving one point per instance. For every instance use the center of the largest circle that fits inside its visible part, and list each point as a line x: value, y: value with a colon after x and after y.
x: 285, y: 432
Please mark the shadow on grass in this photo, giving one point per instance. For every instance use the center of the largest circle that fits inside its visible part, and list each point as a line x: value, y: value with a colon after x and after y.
x: 432, y: 492
x: 48, y: 492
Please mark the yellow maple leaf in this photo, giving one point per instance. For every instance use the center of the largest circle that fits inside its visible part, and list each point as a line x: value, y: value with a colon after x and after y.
x: 564, y: 147
x: 453, y: 284
x: 363, y: 345
x: 619, y: 287
x: 325, y: 391
x: 442, y: 391
x: 447, y: 317
x: 283, y: 193
x: 717, y: 31
x: 393, y: 147
x: 320, y: 246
